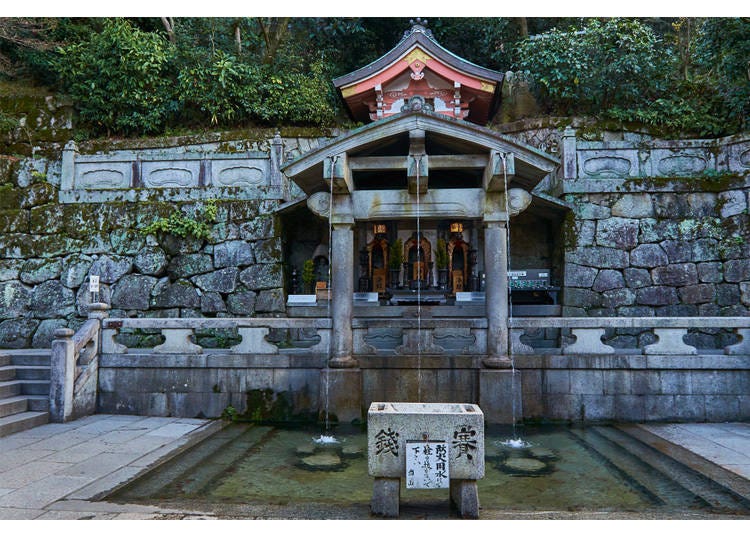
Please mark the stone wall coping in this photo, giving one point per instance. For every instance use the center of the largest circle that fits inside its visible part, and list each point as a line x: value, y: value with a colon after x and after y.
x: 216, y: 323
x: 635, y: 185
x: 415, y: 323
x: 167, y: 156
x: 703, y: 322
x: 663, y: 144
x: 717, y: 322
x: 629, y: 362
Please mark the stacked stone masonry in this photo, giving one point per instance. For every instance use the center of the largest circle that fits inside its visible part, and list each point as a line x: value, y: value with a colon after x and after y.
x: 632, y: 246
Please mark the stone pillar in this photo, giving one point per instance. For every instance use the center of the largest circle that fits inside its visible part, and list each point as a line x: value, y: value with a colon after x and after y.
x: 342, y: 291
x: 276, y: 180
x: 62, y: 375
x: 496, y: 294
x: 569, y: 154
x: 68, y: 166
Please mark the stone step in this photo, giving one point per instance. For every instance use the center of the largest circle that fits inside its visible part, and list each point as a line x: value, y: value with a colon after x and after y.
x: 10, y: 388
x: 22, y: 421
x: 34, y: 387
x: 5, y: 359
x: 38, y: 402
x: 30, y: 357
x: 634, y: 472
x: 729, y: 480
x: 7, y: 373
x: 13, y: 405
x: 697, y: 484
x: 32, y: 372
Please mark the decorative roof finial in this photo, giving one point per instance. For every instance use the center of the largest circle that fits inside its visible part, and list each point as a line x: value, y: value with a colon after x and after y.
x: 418, y: 25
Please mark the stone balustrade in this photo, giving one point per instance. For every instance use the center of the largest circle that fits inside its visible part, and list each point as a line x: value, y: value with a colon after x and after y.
x: 74, y: 365
x: 612, y: 162
x: 669, y: 331
x: 179, y: 333
x: 412, y: 336
x: 432, y: 336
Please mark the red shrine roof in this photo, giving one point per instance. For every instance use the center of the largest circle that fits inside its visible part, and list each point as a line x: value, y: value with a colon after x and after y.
x: 418, y: 72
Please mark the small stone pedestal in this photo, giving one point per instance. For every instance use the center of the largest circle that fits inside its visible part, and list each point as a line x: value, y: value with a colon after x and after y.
x: 449, y: 436
x: 343, y: 393
x: 497, y: 389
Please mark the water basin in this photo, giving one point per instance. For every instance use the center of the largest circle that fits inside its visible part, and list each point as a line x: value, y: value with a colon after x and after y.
x: 289, y: 473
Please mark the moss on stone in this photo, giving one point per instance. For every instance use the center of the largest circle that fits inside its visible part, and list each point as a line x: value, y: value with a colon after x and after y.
x: 267, y: 405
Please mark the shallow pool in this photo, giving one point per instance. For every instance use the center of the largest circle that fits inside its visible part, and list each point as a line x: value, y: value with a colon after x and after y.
x: 536, y: 469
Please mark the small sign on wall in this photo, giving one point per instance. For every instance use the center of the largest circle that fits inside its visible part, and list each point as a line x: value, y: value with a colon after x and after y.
x: 94, y: 283
x: 427, y: 465
x: 94, y: 288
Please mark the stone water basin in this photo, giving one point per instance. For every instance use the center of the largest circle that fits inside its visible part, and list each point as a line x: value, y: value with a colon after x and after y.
x: 256, y: 469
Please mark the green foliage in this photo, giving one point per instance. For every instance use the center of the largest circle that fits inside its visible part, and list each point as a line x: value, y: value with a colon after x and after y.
x: 396, y: 254
x: 229, y: 413
x: 619, y: 61
x: 441, y: 254
x: 722, y: 51
x: 134, y: 76
x: 227, y: 91
x: 308, y: 274
x: 119, y: 79
x: 685, y: 83
x: 7, y: 123
x: 183, y: 226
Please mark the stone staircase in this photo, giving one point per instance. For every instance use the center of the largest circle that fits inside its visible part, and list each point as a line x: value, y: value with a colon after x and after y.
x: 24, y: 389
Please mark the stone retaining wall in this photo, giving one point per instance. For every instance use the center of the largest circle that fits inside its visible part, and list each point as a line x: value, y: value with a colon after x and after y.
x: 48, y: 251
x: 576, y: 389
x: 635, y: 388
x: 647, y: 253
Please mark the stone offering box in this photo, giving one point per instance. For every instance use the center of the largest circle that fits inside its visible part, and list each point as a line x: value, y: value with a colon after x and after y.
x: 393, y: 427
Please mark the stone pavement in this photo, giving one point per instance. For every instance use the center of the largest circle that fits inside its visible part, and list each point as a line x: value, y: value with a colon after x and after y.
x: 58, y: 471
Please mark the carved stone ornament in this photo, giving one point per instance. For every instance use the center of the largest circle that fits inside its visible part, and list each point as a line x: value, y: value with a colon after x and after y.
x: 518, y: 201
x: 320, y: 204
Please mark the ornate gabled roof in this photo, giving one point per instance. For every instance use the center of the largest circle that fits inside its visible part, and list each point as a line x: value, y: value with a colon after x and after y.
x: 419, y: 66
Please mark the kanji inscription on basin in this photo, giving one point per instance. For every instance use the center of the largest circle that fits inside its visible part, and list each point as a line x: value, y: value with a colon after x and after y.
x: 427, y: 465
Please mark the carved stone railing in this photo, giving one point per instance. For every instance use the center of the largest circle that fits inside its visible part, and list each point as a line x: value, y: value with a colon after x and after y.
x: 74, y: 367
x: 411, y: 336
x: 194, y: 173
x: 669, y: 332
x: 612, y: 163
x: 179, y: 334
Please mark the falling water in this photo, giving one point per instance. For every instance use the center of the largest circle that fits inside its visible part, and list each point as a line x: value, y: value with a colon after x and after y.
x: 325, y: 440
x: 419, y: 293
x: 330, y: 295
x: 510, y: 299
x: 515, y: 443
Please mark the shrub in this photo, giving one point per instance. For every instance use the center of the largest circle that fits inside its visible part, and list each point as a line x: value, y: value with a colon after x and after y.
x: 120, y: 79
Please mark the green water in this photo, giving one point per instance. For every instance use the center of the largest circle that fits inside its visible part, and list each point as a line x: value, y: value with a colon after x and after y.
x: 559, y: 469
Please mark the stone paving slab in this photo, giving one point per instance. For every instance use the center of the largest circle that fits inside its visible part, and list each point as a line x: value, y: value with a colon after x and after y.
x: 57, y: 471
x: 12, y: 514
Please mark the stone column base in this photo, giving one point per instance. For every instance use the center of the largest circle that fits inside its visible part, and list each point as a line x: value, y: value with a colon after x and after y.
x: 465, y: 497
x: 496, y: 395
x: 343, y: 394
x: 497, y: 362
x: 386, y: 496
x: 343, y: 362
